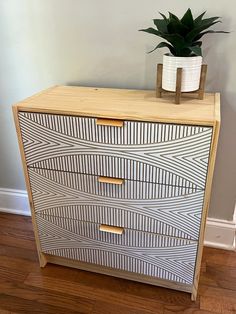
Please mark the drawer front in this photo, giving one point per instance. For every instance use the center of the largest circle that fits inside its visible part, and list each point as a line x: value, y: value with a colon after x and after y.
x: 153, y: 152
x: 133, y: 251
x: 174, y: 211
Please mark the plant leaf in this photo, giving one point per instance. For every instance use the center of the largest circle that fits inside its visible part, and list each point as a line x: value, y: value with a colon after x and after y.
x: 191, y: 35
x: 164, y: 17
x: 199, y: 18
x: 172, y: 16
x: 151, y: 30
x: 197, y: 43
x: 196, y: 50
x: 162, y: 45
x: 187, y: 19
x: 210, y: 20
x: 183, y: 35
x: 185, y: 52
x: 176, y: 40
x: 161, y: 25
x: 209, y: 32
x: 176, y: 27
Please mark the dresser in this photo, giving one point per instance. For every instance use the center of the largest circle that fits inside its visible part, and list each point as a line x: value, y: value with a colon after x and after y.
x: 119, y: 181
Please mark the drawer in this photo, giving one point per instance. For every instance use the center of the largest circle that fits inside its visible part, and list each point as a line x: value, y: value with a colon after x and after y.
x: 134, y: 251
x: 168, y: 210
x: 152, y: 152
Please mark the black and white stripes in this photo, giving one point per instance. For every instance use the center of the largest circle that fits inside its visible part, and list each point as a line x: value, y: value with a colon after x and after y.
x: 166, y: 154
x: 133, y: 133
x: 176, y: 212
x: 129, y: 190
x: 164, y: 167
x: 143, y: 253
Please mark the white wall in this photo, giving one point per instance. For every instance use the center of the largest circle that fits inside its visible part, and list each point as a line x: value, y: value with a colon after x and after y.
x: 85, y: 42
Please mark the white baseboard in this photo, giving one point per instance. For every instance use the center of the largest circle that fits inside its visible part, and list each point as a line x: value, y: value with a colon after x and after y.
x: 14, y: 202
x: 219, y: 233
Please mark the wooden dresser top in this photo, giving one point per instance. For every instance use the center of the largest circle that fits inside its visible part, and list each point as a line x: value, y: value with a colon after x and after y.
x: 124, y: 104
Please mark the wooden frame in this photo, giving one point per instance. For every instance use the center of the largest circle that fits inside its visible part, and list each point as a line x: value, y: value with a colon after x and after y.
x: 42, y: 259
x: 118, y: 273
x: 121, y: 104
x: 178, y: 93
x: 214, y: 143
x: 211, y: 119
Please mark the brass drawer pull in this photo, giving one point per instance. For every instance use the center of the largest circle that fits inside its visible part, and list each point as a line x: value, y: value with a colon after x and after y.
x: 111, y: 229
x: 110, y: 122
x: 110, y: 180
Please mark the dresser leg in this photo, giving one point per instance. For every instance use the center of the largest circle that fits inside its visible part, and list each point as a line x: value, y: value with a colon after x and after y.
x: 42, y: 260
x: 194, y: 295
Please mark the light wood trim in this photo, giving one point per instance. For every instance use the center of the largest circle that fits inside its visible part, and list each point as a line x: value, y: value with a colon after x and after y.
x: 109, y: 122
x: 215, y: 137
x: 118, y: 104
x: 217, y: 107
x: 159, y: 80
x: 111, y: 180
x: 42, y: 259
x: 45, y: 91
x: 111, y: 229
x: 118, y: 273
x: 148, y: 117
x: 202, y: 81
x: 178, y: 85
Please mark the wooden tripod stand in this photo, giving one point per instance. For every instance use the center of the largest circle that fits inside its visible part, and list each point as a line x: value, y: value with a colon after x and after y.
x: 160, y: 90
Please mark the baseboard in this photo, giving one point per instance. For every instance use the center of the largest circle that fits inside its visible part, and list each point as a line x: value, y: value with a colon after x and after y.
x: 219, y: 233
x: 14, y: 202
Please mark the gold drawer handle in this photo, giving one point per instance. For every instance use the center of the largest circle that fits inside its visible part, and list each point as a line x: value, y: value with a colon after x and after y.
x: 111, y: 229
x: 110, y: 180
x: 110, y: 122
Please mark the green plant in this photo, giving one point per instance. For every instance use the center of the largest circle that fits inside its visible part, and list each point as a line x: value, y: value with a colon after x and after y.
x: 182, y: 35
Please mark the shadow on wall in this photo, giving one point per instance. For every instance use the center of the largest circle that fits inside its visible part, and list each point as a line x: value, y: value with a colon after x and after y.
x: 224, y: 182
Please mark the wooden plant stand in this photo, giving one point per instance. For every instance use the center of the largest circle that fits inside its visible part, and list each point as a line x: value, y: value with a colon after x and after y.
x: 160, y: 90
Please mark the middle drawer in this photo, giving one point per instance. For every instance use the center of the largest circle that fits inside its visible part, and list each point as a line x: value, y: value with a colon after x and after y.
x: 168, y: 210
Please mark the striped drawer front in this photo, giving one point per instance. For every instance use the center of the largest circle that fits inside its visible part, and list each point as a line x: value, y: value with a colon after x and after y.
x: 153, y: 152
x: 168, y: 210
x: 134, y: 251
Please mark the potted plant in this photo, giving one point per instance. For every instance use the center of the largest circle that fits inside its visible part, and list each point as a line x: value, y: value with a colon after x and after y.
x: 183, y: 39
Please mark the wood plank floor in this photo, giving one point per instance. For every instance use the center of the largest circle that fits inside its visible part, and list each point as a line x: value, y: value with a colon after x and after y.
x: 25, y: 288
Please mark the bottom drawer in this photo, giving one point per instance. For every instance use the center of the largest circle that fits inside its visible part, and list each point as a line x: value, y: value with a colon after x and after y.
x: 135, y: 251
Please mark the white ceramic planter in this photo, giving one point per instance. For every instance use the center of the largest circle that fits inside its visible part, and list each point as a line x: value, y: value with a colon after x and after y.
x: 190, y: 75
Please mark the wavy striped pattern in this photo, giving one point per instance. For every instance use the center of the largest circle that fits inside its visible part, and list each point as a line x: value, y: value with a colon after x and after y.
x: 152, y: 152
x: 173, y: 211
x: 134, y: 133
x: 129, y: 190
x: 134, y: 251
x: 159, y: 205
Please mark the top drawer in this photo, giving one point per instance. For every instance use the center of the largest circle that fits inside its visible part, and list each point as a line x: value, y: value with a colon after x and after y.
x: 153, y: 152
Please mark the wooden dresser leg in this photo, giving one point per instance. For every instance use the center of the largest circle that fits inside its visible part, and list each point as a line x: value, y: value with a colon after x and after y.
x: 194, y: 294
x: 42, y: 260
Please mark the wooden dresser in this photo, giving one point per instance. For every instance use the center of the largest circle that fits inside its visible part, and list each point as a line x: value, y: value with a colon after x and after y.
x: 119, y: 181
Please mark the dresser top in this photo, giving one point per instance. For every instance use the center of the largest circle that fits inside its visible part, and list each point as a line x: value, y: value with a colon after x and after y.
x: 124, y: 104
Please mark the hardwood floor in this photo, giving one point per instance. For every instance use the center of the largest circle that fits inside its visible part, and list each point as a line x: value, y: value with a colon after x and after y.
x: 25, y: 288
